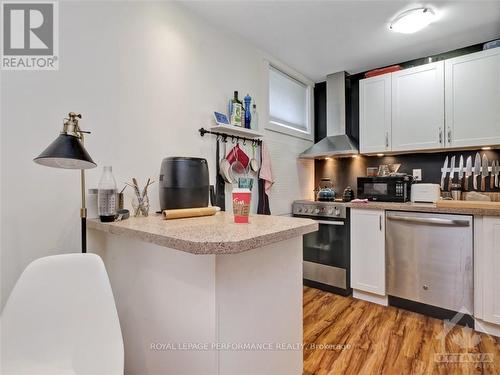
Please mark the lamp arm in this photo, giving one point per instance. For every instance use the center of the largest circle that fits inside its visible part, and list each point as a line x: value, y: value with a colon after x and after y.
x: 83, y: 209
x: 83, y: 213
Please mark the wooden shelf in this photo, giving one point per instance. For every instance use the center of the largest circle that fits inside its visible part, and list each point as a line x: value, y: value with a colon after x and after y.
x: 236, y: 131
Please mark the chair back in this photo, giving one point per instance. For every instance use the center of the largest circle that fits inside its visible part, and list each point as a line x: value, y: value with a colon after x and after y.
x: 61, y: 318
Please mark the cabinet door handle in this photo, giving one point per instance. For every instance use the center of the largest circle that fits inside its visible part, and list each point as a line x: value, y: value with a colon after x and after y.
x: 386, y: 140
x: 449, y: 136
x: 380, y: 222
x: 440, y: 135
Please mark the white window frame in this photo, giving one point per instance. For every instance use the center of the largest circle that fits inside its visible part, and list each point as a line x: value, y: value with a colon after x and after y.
x: 284, y: 128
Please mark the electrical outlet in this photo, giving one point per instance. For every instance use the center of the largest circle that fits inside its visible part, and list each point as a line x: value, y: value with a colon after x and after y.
x: 417, y: 174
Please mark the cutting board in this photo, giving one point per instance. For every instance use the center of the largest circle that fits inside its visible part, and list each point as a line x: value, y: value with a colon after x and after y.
x: 468, y: 204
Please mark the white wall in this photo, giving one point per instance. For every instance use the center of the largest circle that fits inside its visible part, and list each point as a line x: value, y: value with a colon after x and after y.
x: 145, y: 76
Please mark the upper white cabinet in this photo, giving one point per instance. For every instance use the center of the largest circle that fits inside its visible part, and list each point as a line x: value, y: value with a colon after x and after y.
x: 473, y: 99
x: 418, y: 108
x: 447, y: 104
x: 368, y: 250
x: 375, y: 114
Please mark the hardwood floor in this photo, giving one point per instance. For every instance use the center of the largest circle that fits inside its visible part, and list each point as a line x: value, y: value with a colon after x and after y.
x: 387, y: 340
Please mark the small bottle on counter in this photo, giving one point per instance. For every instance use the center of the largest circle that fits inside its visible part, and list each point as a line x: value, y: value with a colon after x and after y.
x: 106, y: 196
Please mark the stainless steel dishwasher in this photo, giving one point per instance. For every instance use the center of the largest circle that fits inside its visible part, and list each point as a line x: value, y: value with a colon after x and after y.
x: 430, y: 259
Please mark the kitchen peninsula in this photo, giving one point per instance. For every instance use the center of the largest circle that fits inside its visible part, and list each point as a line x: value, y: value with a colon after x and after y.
x: 205, y: 295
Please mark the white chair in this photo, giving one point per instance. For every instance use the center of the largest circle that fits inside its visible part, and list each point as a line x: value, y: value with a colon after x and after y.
x: 61, y: 319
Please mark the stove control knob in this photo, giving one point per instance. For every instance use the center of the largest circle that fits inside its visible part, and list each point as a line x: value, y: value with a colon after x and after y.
x: 306, y: 210
x: 316, y: 210
x: 337, y: 212
x: 299, y: 209
x: 329, y: 211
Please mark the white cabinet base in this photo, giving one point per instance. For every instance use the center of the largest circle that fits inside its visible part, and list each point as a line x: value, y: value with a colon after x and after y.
x: 370, y: 297
x: 368, y: 250
x: 488, y: 328
x: 486, y: 279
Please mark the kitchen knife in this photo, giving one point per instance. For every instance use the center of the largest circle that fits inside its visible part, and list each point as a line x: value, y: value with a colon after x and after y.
x: 492, y: 175
x: 484, y: 172
x: 497, y: 171
x: 477, y: 169
x: 468, y: 172
x: 443, y: 172
x: 452, y: 172
x: 461, y: 171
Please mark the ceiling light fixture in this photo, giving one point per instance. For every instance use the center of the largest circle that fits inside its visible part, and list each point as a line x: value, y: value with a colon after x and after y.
x: 412, y: 20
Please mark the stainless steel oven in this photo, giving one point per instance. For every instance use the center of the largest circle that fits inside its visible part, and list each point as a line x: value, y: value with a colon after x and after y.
x: 326, y: 252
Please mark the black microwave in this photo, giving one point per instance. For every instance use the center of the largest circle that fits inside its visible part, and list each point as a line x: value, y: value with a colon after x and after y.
x: 385, y: 189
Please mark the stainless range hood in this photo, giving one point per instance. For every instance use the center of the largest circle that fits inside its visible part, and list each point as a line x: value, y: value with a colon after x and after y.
x: 336, y: 142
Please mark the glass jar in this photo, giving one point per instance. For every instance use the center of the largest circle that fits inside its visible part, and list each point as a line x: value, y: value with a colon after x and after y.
x: 140, y: 206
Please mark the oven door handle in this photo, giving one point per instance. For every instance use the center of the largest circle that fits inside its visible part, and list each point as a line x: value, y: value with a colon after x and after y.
x: 327, y: 222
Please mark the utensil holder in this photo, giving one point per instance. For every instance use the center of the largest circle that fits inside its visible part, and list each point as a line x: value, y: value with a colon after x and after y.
x: 140, y: 206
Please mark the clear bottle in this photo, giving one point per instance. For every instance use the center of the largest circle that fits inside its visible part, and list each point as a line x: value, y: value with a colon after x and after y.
x: 254, y: 122
x: 106, y: 196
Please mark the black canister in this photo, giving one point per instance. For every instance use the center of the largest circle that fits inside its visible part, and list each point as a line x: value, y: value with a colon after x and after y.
x: 348, y: 194
x: 184, y: 183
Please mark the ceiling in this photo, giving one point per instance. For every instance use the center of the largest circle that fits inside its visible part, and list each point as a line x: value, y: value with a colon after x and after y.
x: 321, y: 37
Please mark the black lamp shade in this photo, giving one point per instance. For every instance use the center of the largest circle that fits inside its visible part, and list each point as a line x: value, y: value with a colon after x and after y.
x: 66, y: 152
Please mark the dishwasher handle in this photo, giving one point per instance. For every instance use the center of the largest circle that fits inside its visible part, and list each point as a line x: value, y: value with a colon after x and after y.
x: 431, y: 220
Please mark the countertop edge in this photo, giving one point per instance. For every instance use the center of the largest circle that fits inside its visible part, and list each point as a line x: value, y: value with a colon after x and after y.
x: 205, y: 248
x: 421, y: 207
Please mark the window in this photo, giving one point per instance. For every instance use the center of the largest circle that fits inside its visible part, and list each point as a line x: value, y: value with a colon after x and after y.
x: 288, y: 103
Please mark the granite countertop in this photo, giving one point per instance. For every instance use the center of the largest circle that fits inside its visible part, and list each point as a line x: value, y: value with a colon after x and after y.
x: 216, y: 234
x: 425, y: 207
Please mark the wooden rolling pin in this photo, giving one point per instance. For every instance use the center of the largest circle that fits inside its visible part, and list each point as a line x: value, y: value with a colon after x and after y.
x: 189, y: 212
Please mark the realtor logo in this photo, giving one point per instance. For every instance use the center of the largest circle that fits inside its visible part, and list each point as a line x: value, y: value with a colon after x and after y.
x: 30, y: 36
